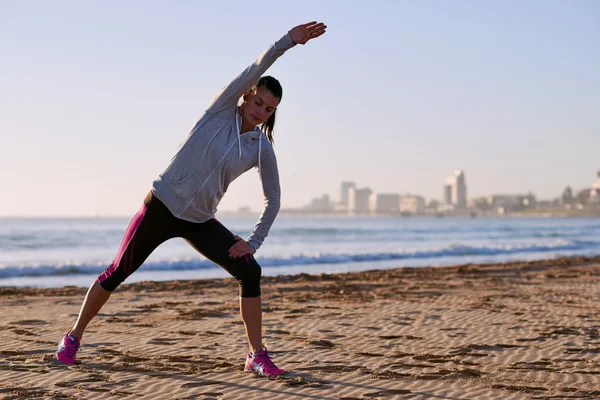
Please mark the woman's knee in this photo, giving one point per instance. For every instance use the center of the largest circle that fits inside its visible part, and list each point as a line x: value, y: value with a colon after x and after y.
x: 111, y: 284
x: 111, y: 278
x: 249, y: 280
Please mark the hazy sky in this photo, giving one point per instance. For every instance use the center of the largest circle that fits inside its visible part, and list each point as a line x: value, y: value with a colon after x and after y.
x: 96, y: 96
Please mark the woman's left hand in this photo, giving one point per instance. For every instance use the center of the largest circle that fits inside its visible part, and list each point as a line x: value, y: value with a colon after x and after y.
x: 305, y: 32
x: 240, y: 248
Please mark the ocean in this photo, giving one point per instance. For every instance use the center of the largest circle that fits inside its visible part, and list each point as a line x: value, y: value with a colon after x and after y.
x: 54, y: 252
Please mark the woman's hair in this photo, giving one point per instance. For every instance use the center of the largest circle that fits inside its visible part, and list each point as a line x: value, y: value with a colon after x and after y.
x: 276, y: 90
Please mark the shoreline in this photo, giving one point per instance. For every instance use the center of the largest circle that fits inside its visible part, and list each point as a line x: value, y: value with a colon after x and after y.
x: 518, y: 330
x: 84, y: 280
x: 341, y: 276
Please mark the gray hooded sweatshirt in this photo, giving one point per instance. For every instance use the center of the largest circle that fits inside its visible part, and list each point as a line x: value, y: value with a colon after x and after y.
x: 215, y: 153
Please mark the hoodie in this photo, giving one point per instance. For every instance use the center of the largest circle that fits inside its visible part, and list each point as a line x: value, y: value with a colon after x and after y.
x: 214, y: 153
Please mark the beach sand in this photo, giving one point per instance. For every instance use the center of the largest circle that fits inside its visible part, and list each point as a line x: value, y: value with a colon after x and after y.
x: 526, y: 330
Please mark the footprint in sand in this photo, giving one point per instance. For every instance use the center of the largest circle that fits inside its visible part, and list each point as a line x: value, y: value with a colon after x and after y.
x: 406, y: 365
x: 144, y: 325
x: 406, y: 337
x: 29, y: 393
x: 113, y: 320
x: 76, y: 382
x: 279, y: 332
x: 331, y: 368
x: 389, y: 392
x: 203, y: 396
x: 523, y: 389
x: 433, y: 358
x: 296, y: 379
x: 29, y: 322
x: 532, y: 366
x: 211, y: 394
x: 535, y: 339
x: 560, y: 331
x: 200, y: 384
x: 187, y: 333
x: 592, y: 350
x: 24, y: 332
x: 321, y: 343
x: 210, y: 333
x: 390, y: 375
x: 164, y: 341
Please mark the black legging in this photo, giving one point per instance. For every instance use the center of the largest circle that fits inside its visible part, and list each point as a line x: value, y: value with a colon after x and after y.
x: 154, y: 224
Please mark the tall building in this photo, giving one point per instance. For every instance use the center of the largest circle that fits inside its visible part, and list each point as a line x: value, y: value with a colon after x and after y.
x: 459, y: 190
x: 344, y: 192
x: 447, y: 192
x: 359, y: 200
x: 455, y: 190
x: 595, y: 192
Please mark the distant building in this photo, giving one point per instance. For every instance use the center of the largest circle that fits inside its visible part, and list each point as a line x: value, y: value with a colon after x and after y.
x: 595, y: 192
x: 506, y: 202
x: 584, y: 196
x: 479, y: 203
x: 344, y: 192
x: 321, y: 204
x: 433, y: 205
x: 459, y: 189
x: 567, y: 197
x: 385, y: 203
x: 412, y: 204
x: 359, y: 200
x: 455, y: 190
x: 447, y: 193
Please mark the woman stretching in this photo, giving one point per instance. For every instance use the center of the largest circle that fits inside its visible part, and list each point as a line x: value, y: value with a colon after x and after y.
x: 224, y: 143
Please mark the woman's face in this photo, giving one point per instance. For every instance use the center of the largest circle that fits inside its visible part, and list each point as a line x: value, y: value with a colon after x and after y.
x: 259, y: 106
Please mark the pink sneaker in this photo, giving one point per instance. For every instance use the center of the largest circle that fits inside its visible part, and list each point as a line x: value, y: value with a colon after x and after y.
x: 262, y: 365
x: 67, y: 349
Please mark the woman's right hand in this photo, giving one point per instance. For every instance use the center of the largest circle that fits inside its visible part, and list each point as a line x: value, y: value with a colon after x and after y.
x: 305, y: 32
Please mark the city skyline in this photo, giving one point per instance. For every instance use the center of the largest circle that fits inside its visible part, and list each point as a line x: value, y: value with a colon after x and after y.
x: 353, y: 198
x: 506, y: 91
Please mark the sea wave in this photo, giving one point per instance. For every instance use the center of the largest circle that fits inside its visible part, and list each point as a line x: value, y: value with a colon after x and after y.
x: 455, y: 250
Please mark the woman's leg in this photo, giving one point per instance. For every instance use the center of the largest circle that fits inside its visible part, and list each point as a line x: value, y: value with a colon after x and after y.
x: 151, y: 226
x: 93, y: 302
x: 251, y: 311
x: 213, y: 241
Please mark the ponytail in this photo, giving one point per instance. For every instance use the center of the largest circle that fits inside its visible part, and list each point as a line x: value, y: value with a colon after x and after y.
x: 268, y: 126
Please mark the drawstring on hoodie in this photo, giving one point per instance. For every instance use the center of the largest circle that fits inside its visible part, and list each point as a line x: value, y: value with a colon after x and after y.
x: 259, y: 145
x: 237, y: 123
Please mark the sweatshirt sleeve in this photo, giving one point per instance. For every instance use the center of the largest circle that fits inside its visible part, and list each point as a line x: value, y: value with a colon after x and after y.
x: 232, y: 92
x: 272, y: 192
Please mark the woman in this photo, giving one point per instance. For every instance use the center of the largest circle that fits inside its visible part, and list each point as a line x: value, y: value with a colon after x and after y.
x: 223, y: 144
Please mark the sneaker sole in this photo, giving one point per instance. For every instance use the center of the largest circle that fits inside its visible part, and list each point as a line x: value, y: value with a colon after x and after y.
x: 63, y: 360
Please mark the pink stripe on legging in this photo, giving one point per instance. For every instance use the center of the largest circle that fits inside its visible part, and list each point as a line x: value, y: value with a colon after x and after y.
x: 131, y: 229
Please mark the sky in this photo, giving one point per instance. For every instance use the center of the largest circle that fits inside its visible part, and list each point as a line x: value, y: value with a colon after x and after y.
x: 96, y: 96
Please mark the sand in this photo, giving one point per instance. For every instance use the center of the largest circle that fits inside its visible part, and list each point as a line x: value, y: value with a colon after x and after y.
x: 504, y: 331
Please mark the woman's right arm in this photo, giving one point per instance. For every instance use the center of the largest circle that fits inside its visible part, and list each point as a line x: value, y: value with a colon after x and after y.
x: 232, y: 92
